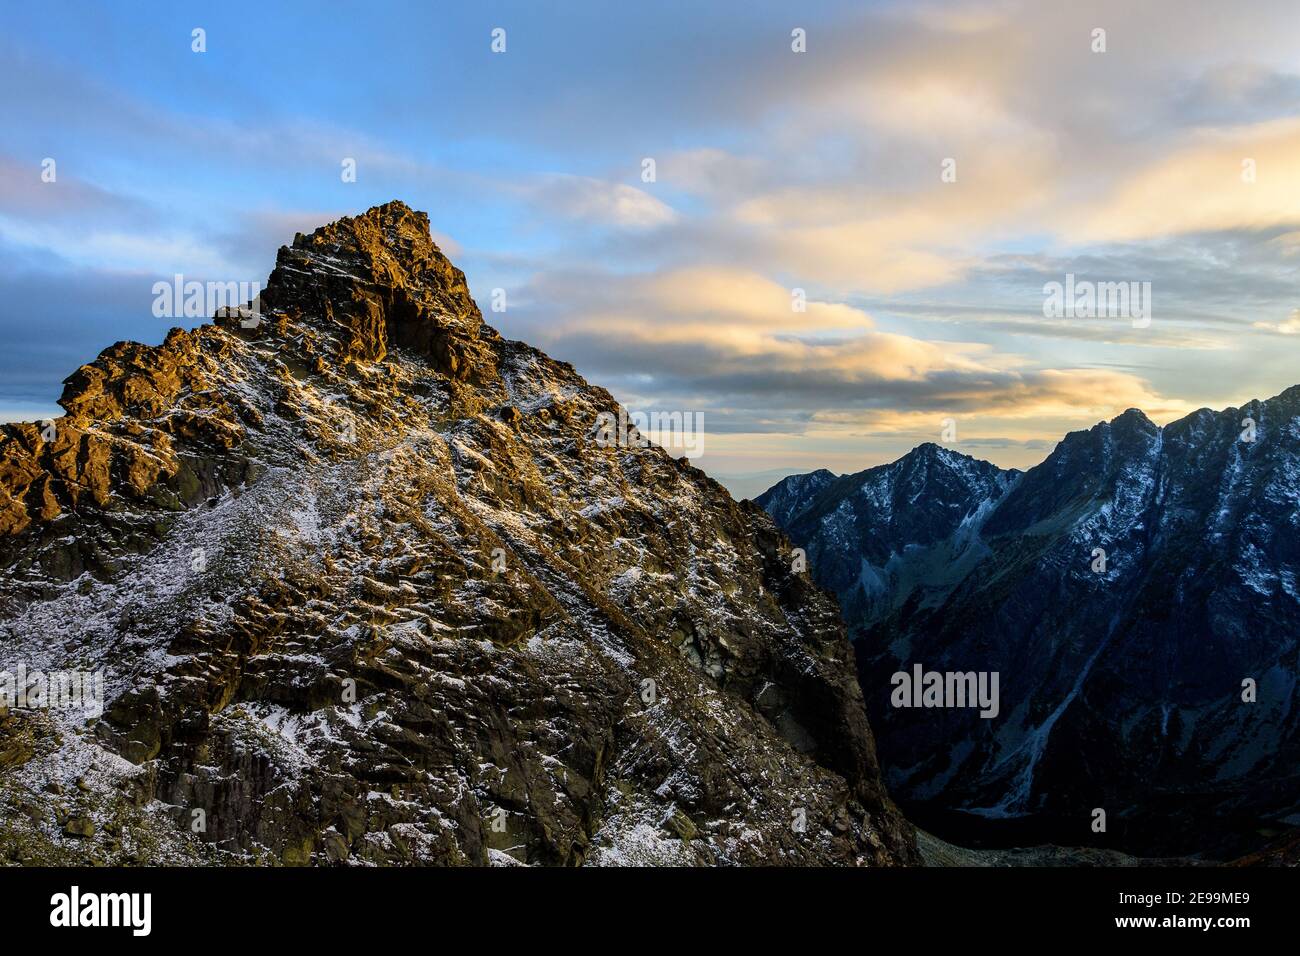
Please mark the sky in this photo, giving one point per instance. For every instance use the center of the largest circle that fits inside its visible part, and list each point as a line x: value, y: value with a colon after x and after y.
x: 842, y: 252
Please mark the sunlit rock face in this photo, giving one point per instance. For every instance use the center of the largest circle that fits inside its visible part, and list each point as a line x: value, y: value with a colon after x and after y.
x: 1136, y: 593
x: 363, y: 588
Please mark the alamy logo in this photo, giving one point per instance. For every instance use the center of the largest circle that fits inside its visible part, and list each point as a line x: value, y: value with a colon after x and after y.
x: 201, y: 300
x: 670, y: 430
x: 103, y: 909
x: 1083, y: 299
x: 923, y: 688
x: 57, y: 690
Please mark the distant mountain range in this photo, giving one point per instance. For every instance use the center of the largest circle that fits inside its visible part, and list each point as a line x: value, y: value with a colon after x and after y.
x: 1136, y: 593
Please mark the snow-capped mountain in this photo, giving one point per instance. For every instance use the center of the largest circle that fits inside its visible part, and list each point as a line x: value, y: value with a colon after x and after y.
x: 1136, y: 594
x: 790, y: 496
x: 873, y: 536
x: 362, y: 585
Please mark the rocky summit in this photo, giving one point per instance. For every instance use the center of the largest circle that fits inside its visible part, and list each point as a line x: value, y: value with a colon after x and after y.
x: 361, y: 586
x: 1136, y: 595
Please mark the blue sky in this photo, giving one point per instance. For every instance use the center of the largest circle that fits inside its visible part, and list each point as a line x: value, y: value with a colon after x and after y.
x: 776, y: 170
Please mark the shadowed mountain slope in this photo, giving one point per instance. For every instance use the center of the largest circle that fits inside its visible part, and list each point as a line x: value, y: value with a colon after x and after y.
x: 1136, y: 594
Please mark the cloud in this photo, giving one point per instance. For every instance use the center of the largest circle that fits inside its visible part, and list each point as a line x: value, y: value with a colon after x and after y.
x: 1235, y: 178
x: 686, y: 301
x: 1288, y: 326
x: 599, y: 202
x: 1238, y: 93
x: 716, y: 173
x: 68, y: 199
x: 727, y: 341
x: 1026, y: 396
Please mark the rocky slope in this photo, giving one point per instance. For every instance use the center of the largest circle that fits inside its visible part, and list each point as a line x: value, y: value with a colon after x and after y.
x: 1121, y: 674
x: 364, y: 588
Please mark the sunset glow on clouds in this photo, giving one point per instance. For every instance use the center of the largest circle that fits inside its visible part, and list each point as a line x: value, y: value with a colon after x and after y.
x: 775, y: 171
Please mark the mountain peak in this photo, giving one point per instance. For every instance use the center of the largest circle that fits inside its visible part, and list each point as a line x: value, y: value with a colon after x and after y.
x: 950, y: 458
x: 794, y: 493
x: 369, y: 516
x: 376, y: 280
x: 1133, y: 418
x: 349, y: 291
x: 932, y: 451
x: 393, y: 234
